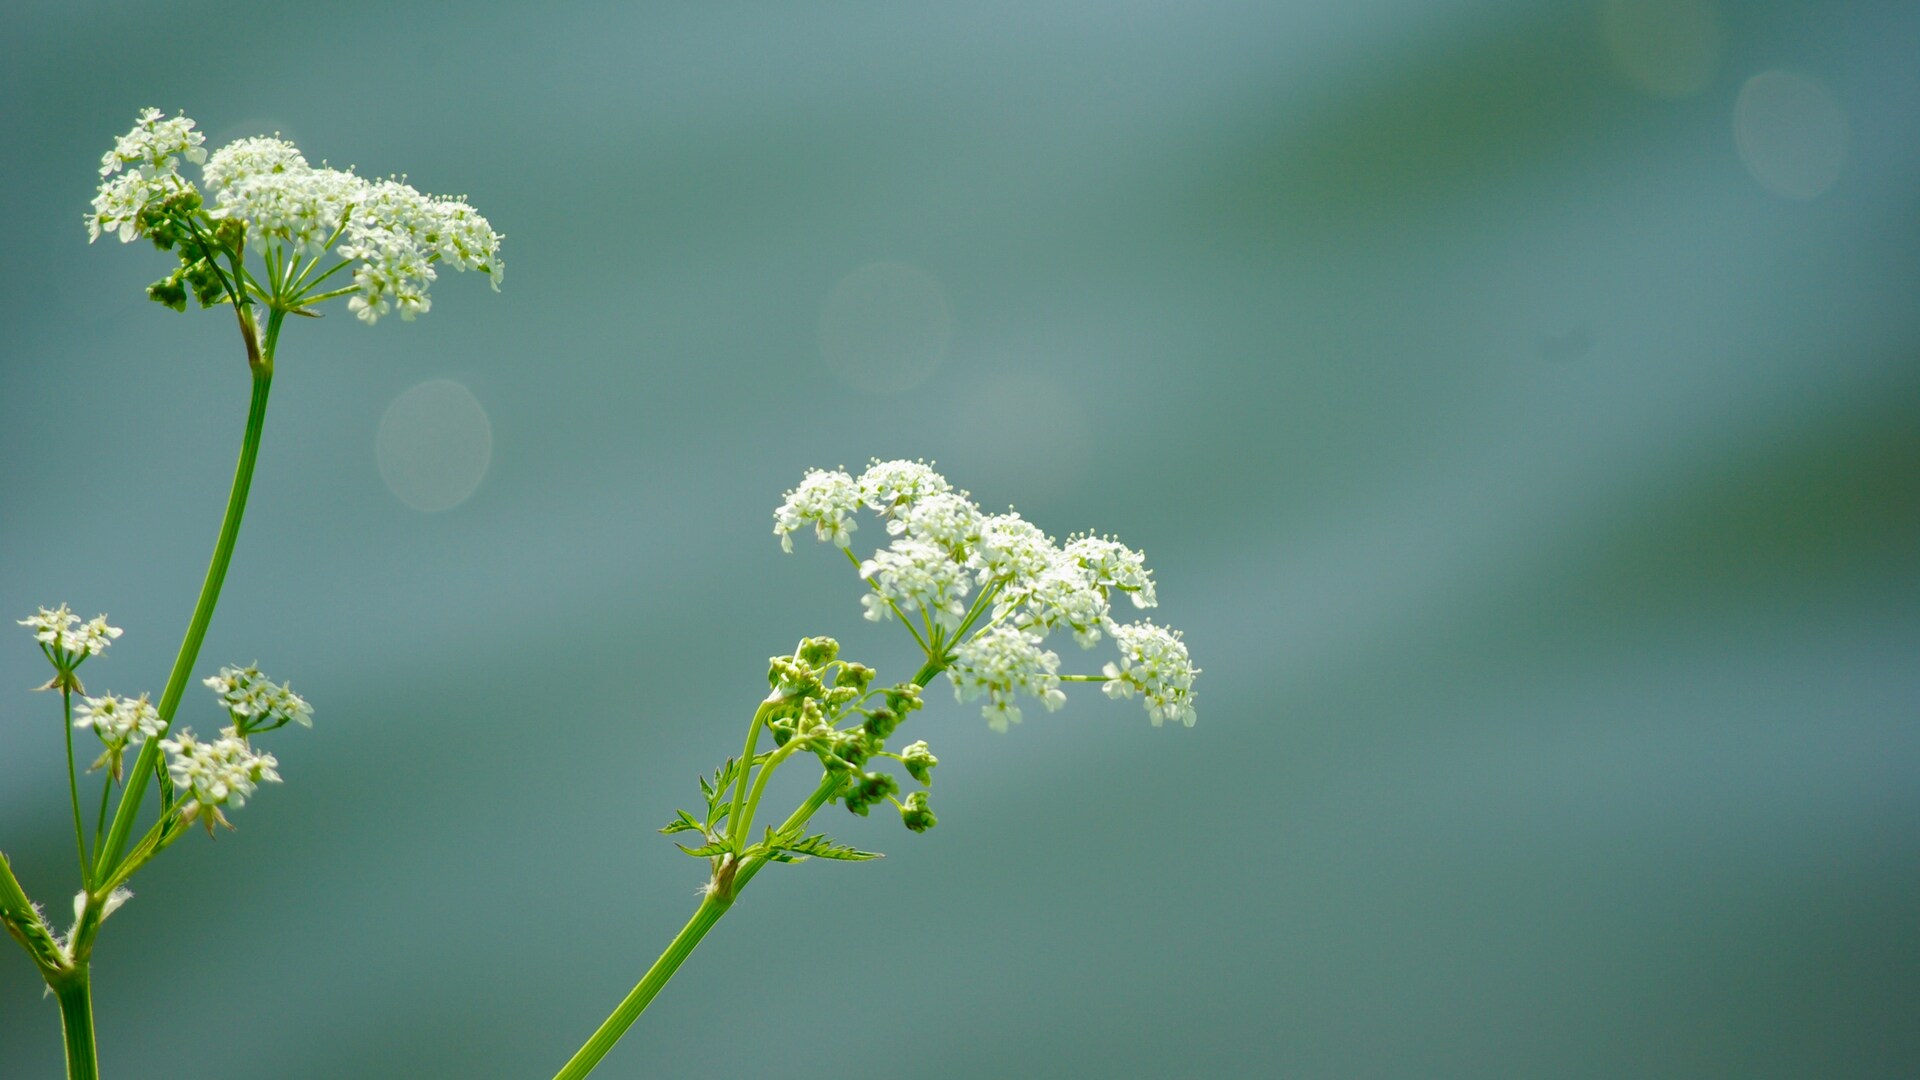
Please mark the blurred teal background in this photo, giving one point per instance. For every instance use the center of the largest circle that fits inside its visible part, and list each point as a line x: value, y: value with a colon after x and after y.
x: 1519, y: 402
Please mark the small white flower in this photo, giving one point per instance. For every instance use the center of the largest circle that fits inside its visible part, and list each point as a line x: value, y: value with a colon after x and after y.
x: 913, y: 572
x: 220, y: 773
x: 256, y: 702
x: 267, y: 185
x: 49, y: 626
x: 1114, y: 565
x: 400, y: 234
x: 92, y: 638
x: 1066, y: 595
x: 949, y: 520
x: 1155, y: 664
x: 150, y: 154
x: 118, y: 721
x: 1001, y: 663
x: 889, y: 485
x: 826, y: 500
x: 1012, y: 550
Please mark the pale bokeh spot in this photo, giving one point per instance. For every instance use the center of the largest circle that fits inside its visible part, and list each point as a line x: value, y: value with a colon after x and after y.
x: 434, y: 445
x: 1791, y: 133
x: 885, y: 327
x: 1668, y: 48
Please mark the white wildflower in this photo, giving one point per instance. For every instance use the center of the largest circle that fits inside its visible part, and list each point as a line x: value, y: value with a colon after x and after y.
x: 1012, y: 550
x: 255, y: 702
x: 1153, y: 663
x: 399, y: 235
x: 63, y: 630
x: 1066, y: 595
x: 826, y: 500
x: 119, y: 723
x: 1002, y: 663
x: 150, y: 155
x: 267, y: 184
x: 223, y: 772
x: 49, y: 626
x: 888, y: 485
x: 913, y: 572
x: 946, y: 519
x: 1114, y: 565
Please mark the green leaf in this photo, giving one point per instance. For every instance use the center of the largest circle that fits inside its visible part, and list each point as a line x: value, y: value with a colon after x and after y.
x: 704, y: 851
x: 683, y: 823
x: 824, y: 847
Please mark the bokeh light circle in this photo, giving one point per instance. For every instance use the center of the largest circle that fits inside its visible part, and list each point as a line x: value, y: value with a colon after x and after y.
x: 1791, y: 133
x: 434, y: 445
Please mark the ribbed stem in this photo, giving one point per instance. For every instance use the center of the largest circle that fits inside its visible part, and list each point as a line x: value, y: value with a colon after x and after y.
x: 75, y: 994
x: 635, y: 1002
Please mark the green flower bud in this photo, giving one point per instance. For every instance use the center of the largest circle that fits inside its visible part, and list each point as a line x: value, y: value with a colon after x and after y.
x: 818, y: 652
x: 919, y: 761
x: 205, y: 281
x: 854, y: 676
x: 903, y: 698
x: 870, y: 788
x: 231, y: 233
x: 851, y: 747
x: 880, y: 722
x: 169, y: 292
x: 915, y: 815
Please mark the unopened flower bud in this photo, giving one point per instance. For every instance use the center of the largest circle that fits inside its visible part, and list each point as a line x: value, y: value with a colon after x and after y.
x: 870, y: 788
x: 919, y: 761
x: 854, y: 676
x: 168, y: 292
x: 818, y: 652
x: 915, y: 815
x: 903, y: 698
x: 880, y: 722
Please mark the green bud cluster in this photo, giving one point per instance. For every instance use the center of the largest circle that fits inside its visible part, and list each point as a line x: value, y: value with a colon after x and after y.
x: 177, y: 224
x: 831, y: 708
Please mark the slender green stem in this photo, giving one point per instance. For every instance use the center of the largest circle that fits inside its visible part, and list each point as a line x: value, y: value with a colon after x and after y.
x: 736, y: 828
x: 634, y: 1003
x: 75, y: 994
x: 106, y: 792
x: 73, y: 789
x: 129, y: 808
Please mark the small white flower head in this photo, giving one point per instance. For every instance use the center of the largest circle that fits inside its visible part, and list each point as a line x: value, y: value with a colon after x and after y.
x: 267, y: 184
x: 223, y: 772
x: 150, y: 154
x: 401, y: 235
x: 119, y: 723
x: 1153, y: 663
x: 50, y: 625
x: 64, y: 631
x: 257, y: 703
x: 1002, y: 663
x: 911, y: 573
x: 1114, y: 565
x: 887, y: 486
x: 826, y: 500
x: 946, y: 519
x: 1065, y: 595
x: 1012, y: 550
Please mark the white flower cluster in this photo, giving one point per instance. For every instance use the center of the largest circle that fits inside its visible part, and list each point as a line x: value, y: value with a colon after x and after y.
x: 257, y: 703
x: 63, y: 631
x: 1001, y: 663
x: 150, y: 155
x: 223, y: 772
x: 944, y: 547
x: 1153, y: 663
x: 119, y: 723
x: 399, y: 236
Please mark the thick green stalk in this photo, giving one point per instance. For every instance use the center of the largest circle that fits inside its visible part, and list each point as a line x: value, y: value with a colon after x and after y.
x: 75, y: 994
x: 656, y: 977
x: 129, y: 808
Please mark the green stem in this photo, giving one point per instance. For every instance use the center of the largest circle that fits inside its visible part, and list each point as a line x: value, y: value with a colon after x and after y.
x: 736, y: 829
x: 73, y: 790
x: 75, y: 994
x: 129, y: 809
x: 634, y: 1003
